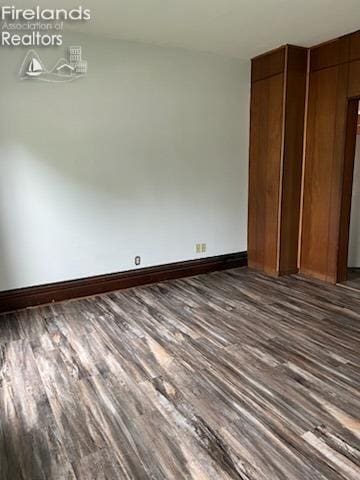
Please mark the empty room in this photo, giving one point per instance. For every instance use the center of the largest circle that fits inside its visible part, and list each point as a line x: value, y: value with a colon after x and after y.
x: 180, y: 240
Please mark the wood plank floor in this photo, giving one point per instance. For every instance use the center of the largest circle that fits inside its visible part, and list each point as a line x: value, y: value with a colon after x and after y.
x: 230, y: 375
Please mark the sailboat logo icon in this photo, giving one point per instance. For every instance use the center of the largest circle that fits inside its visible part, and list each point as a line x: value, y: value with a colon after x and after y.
x: 34, y: 68
x: 64, y: 70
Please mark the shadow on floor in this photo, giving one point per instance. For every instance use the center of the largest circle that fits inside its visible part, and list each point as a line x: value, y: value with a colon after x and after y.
x: 353, y: 278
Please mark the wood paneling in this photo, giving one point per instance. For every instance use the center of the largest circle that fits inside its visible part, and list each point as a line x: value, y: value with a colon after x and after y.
x: 330, y: 137
x: 275, y: 168
x: 324, y: 155
x: 355, y: 46
x: 354, y: 79
x: 276, y: 138
x: 292, y: 158
x: 330, y: 54
x: 267, y: 65
x: 264, y: 171
x: 55, y: 292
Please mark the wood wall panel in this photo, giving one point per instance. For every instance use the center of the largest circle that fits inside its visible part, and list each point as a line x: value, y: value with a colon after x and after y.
x: 292, y: 158
x: 354, y: 79
x: 324, y: 151
x: 272, y: 172
x: 354, y: 46
x: 330, y: 54
x: 314, y: 225
x: 329, y: 157
x: 267, y: 65
x: 276, y: 139
x: 336, y: 172
x: 264, y: 171
x: 333, y: 76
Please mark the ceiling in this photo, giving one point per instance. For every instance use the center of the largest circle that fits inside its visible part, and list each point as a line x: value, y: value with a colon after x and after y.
x: 237, y: 28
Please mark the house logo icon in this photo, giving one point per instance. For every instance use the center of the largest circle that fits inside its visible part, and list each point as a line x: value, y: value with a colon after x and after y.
x: 64, y: 70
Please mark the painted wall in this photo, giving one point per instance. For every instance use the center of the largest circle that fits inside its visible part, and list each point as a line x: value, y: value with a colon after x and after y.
x: 146, y: 156
x: 354, y: 240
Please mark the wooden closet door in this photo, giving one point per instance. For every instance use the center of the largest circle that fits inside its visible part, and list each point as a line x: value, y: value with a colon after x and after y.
x: 266, y: 118
x: 325, y: 140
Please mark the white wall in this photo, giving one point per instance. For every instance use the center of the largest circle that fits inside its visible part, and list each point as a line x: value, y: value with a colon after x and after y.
x: 146, y: 156
x: 354, y: 240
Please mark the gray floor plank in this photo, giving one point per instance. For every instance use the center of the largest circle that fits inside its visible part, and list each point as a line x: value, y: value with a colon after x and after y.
x: 229, y: 375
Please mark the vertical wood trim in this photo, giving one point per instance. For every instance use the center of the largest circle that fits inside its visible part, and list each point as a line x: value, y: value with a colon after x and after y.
x: 271, y: 182
x: 281, y: 169
x: 303, y: 159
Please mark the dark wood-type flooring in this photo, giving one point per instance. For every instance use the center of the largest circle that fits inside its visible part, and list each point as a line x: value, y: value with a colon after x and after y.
x: 229, y: 375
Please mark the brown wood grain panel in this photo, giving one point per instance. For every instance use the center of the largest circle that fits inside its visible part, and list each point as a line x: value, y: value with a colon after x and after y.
x: 273, y: 172
x: 354, y: 79
x: 276, y: 138
x: 292, y: 158
x: 330, y: 54
x: 324, y: 158
x: 271, y: 63
x: 264, y: 171
x: 355, y: 46
x: 336, y: 172
x: 313, y: 257
x: 334, y: 78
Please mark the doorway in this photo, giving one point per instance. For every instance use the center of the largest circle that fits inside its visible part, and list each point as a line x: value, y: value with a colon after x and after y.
x: 353, y: 265
x: 349, y: 252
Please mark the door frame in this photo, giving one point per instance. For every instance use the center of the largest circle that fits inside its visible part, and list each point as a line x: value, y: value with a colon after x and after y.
x: 347, y: 185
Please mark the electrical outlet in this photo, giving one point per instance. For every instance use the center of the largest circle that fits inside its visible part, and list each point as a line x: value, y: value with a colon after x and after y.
x: 137, y: 260
x: 198, y: 248
x: 203, y: 247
